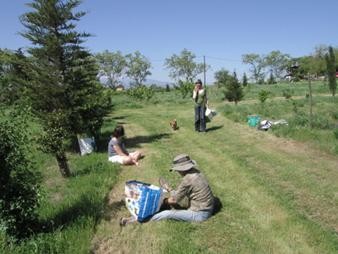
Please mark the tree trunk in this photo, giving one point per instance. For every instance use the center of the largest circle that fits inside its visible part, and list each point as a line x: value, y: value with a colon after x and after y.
x: 63, y: 165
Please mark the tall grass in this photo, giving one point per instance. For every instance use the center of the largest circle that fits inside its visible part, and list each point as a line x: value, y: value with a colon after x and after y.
x: 319, y: 130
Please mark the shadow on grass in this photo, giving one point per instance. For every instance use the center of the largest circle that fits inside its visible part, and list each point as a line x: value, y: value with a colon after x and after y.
x: 112, y: 209
x: 217, y: 206
x: 102, y: 141
x: 118, y: 117
x: 214, y: 128
x: 136, y: 141
x: 85, y: 209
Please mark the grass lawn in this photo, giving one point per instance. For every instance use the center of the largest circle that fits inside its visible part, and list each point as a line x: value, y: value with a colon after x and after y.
x: 278, y: 195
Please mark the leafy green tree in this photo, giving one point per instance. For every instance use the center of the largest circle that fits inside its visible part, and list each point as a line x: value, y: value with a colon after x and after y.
x: 222, y: 77
x: 112, y: 65
x: 331, y: 70
x: 183, y: 67
x: 245, y: 80
x: 138, y: 67
x: 234, y: 90
x: 277, y: 62
x: 13, y: 76
x: 19, y: 182
x: 64, y: 91
x: 313, y: 64
x: 257, y: 65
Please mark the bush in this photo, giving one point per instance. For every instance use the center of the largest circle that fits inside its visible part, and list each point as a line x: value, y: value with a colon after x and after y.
x: 186, y: 88
x: 300, y: 119
x: 141, y: 92
x: 263, y: 95
x: 334, y: 115
x: 287, y: 93
x: 321, y: 122
x: 19, y: 184
x: 335, y: 133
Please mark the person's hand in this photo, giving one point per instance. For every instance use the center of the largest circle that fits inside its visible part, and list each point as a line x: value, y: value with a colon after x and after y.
x: 164, y: 184
x: 165, y: 201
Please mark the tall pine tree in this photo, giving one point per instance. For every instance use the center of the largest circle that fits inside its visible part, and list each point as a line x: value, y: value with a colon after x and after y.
x: 331, y: 70
x: 64, y: 91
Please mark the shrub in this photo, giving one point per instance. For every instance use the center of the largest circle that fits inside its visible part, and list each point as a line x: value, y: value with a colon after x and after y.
x: 263, y: 95
x: 300, y: 119
x: 335, y: 133
x: 186, y: 88
x: 234, y: 90
x: 334, y: 115
x: 141, y: 92
x: 321, y: 122
x: 287, y: 93
x: 19, y: 184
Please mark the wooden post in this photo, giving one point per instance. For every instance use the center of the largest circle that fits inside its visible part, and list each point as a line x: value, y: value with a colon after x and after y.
x: 310, y: 99
x: 204, y: 71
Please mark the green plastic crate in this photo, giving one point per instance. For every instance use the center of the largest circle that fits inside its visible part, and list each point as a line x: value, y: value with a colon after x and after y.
x: 253, y: 120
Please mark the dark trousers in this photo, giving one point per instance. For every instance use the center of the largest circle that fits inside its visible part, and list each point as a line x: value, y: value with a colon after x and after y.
x: 200, y: 124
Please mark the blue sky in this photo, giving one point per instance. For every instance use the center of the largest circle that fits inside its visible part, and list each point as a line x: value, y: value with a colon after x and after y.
x: 221, y: 30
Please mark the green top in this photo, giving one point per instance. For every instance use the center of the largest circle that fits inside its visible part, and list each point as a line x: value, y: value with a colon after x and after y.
x: 200, y: 97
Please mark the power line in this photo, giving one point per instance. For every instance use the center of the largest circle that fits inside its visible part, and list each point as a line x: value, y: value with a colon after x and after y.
x: 201, y: 57
x: 223, y: 59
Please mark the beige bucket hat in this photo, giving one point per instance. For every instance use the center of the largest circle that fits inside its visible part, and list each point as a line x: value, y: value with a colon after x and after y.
x: 182, y: 162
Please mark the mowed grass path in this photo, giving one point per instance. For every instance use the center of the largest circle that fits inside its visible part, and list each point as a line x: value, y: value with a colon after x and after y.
x: 278, y: 196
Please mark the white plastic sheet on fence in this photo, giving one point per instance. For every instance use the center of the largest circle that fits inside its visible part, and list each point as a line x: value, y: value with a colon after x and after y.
x: 86, y: 145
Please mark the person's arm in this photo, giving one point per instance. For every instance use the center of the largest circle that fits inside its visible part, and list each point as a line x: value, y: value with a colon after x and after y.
x: 194, y: 94
x: 119, y: 150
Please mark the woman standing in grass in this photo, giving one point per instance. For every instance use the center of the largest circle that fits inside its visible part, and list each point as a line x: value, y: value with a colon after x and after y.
x: 200, y: 98
x: 117, y: 153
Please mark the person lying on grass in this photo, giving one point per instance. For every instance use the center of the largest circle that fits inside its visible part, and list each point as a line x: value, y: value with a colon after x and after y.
x: 193, y: 186
x: 117, y: 153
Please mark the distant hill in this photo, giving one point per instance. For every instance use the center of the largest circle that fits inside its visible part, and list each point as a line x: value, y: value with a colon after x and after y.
x: 126, y: 82
x: 158, y: 82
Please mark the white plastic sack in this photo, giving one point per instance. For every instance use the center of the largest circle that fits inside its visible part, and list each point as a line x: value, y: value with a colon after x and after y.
x: 264, y: 125
x: 86, y: 145
x: 210, y: 113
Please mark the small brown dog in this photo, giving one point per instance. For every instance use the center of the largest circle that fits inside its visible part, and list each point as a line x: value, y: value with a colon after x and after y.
x: 173, y: 124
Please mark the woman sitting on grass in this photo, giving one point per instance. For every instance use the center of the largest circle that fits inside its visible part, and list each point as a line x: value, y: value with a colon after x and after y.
x: 117, y: 152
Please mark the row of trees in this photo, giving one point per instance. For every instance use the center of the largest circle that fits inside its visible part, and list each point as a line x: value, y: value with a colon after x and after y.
x: 114, y: 65
x: 184, y: 68
x: 277, y: 65
x: 233, y: 89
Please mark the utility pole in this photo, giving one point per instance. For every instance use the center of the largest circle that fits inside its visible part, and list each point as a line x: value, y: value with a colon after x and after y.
x: 204, y: 71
